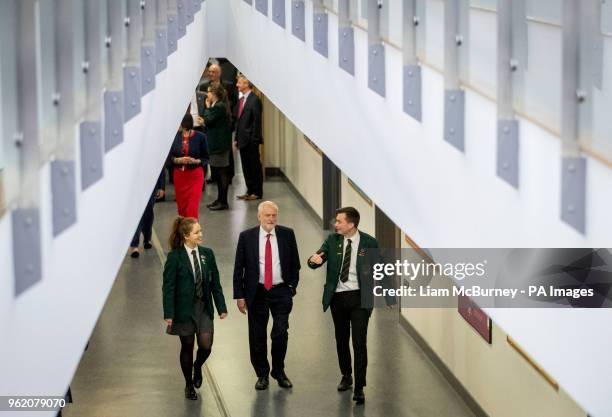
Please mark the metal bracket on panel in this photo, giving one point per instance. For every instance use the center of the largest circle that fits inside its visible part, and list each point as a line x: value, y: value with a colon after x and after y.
x: 189, y: 11
x: 63, y: 195
x: 376, y: 68
x: 90, y: 140
x: 454, y: 118
x: 278, y: 12
x: 320, y: 33
x: 573, y: 192
x: 412, y: 91
x: 262, y: 6
x: 346, y: 49
x: 181, y: 18
x: 113, y: 119
x: 508, y: 151
x: 148, y: 67
x: 173, y: 33
x: 131, y: 91
x: 161, y: 50
x: 27, y: 255
x: 298, y: 19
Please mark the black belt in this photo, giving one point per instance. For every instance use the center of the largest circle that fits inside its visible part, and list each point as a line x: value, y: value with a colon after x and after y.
x: 282, y: 284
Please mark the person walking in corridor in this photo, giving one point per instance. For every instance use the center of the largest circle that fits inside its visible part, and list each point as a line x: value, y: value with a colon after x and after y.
x: 266, y: 275
x: 343, y: 251
x: 247, y: 117
x: 191, y: 284
x: 189, y: 154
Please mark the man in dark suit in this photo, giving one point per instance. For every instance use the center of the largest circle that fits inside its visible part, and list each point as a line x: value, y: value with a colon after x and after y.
x: 247, y: 117
x: 344, y: 252
x: 266, y: 275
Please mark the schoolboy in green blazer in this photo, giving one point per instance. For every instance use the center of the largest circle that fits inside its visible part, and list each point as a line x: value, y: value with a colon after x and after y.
x: 344, y: 252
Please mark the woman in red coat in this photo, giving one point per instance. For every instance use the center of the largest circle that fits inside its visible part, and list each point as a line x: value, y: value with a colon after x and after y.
x: 189, y: 154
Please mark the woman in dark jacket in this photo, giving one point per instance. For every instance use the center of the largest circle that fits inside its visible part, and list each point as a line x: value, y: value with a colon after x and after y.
x: 217, y: 119
x: 189, y: 154
x: 191, y: 283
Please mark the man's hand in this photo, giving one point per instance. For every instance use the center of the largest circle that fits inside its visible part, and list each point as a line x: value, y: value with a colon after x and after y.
x: 316, y: 259
x: 241, y: 305
x: 200, y: 120
x: 222, y: 316
x: 168, y: 322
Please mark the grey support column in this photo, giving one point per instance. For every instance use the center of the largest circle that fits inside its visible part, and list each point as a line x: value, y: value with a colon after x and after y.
x: 113, y: 96
x: 91, y: 134
x: 412, y: 69
x: 71, y: 69
x: 346, y: 38
x: 132, y: 86
x: 161, y: 35
x: 507, y: 66
x: 580, y: 26
x: 376, y: 49
x: 320, y: 23
x: 173, y: 28
x: 298, y: 19
x: 20, y: 123
x: 455, y: 39
x: 148, y: 64
x: 262, y: 6
x: 278, y: 12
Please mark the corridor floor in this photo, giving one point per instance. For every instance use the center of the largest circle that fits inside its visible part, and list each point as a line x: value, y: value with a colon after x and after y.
x: 131, y: 366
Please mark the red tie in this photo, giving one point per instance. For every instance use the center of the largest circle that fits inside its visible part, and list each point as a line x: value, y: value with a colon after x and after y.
x: 240, y: 106
x: 268, y: 264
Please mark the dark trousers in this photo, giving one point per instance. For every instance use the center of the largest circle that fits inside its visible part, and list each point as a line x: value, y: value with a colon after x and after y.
x: 251, y: 167
x: 279, y: 302
x: 145, y: 225
x: 347, y: 314
x: 222, y: 178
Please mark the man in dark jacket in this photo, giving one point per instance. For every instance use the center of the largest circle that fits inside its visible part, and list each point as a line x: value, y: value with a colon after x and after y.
x: 266, y: 275
x: 247, y: 117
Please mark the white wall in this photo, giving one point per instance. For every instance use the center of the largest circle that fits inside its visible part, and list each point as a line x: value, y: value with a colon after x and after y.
x: 44, y: 330
x: 287, y: 149
x: 441, y: 197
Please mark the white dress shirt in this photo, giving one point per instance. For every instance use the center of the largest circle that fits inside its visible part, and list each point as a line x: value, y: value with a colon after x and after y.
x: 277, y: 277
x: 194, y: 110
x: 188, y: 249
x: 352, y: 283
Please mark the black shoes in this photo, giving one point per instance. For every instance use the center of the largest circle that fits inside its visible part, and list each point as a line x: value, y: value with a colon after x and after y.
x: 282, y: 379
x: 190, y: 393
x: 197, y: 377
x: 134, y: 252
x: 214, y: 203
x: 262, y: 383
x: 148, y: 245
x: 345, y: 383
x: 358, y: 395
x: 219, y: 206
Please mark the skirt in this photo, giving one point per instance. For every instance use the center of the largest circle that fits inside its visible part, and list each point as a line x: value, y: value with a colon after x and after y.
x: 188, y: 186
x: 219, y: 160
x: 200, y: 323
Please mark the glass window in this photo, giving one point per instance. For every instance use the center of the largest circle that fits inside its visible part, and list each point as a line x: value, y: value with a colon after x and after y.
x: 484, y: 4
x: 602, y: 103
x: 482, y: 46
x: 434, y: 37
x: 393, y: 21
x: 545, y: 10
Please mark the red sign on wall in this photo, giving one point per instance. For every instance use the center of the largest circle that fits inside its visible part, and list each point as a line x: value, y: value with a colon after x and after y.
x: 476, y: 317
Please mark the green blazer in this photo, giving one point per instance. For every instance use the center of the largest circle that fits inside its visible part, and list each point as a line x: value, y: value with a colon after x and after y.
x: 179, y: 285
x: 331, y: 252
x: 218, y: 128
